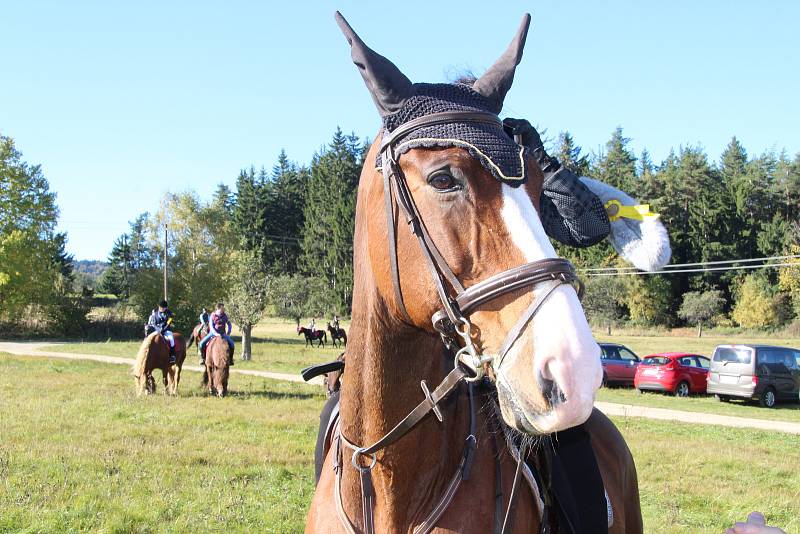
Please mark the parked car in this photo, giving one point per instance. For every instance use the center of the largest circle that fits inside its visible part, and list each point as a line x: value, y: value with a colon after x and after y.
x: 619, y: 364
x: 764, y: 373
x: 680, y: 373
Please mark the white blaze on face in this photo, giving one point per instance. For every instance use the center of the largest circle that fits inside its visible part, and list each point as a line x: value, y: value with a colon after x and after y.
x: 564, y: 350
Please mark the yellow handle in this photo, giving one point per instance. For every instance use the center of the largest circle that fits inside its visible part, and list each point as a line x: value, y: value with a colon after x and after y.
x: 616, y: 211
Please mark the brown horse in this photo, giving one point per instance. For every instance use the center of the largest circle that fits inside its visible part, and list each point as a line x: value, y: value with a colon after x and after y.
x: 216, y: 373
x: 154, y: 354
x: 481, y: 226
x: 316, y: 335
x: 198, y: 333
x: 336, y: 334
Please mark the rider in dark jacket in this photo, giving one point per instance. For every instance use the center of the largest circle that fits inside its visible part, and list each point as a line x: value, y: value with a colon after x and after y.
x: 161, y: 321
x: 204, y: 318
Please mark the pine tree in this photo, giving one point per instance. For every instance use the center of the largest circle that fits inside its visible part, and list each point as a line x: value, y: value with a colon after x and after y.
x: 287, y: 199
x: 327, y: 247
x: 116, y: 279
x: 617, y: 166
x: 569, y: 155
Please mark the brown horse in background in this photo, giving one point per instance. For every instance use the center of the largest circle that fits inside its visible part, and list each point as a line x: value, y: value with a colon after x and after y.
x: 337, y: 333
x: 154, y: 354
x: 215, y: 376
x: 481, y: 227
x: 316, y: 335
x: 198, y: 333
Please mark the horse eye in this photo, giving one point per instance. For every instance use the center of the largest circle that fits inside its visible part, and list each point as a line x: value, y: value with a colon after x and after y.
x: 443, y: 182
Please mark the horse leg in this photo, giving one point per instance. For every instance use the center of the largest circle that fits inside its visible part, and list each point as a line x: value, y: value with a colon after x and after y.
x: 172, y: 378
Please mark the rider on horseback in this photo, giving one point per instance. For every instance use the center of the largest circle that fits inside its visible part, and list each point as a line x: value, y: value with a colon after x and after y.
x: 161, y: 321
x: 312, y: 325
x: 204, y: 319
x: 335, y: 322
x: 219, y: 325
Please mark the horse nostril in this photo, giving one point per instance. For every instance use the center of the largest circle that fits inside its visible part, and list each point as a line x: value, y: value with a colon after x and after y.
x: 551, y: 392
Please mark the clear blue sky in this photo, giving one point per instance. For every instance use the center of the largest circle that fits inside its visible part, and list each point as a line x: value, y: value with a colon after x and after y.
x: 121, y: 101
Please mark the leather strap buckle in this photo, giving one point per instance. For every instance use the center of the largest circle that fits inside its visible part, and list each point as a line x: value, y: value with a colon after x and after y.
x: 434, y: 408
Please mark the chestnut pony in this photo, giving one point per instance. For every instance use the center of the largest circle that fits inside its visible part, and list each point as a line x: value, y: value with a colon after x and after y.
x: 482, y: 228
x: 198, y: 333
x: 215, y: 375
x: 154, y: 354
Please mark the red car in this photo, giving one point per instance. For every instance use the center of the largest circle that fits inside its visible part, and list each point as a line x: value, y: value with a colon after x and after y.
x: 619, y: 364
x: 679, y: 373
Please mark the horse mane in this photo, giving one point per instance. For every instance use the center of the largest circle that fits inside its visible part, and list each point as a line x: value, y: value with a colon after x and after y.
x: 141, y: 357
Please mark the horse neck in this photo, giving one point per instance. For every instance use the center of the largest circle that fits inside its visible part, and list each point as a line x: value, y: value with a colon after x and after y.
x: 386, y: 360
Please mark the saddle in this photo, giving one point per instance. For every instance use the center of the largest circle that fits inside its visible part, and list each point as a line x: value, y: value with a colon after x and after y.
x: 562, y: 473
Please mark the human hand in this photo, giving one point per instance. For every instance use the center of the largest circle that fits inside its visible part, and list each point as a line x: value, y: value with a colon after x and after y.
x: 756, y: 524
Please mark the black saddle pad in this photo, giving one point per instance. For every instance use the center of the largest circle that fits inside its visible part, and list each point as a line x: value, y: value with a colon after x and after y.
x: 572, y: 482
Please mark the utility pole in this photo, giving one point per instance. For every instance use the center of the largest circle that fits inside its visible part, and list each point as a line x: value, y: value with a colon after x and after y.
x: 125, y: 256
x: 165, y: 260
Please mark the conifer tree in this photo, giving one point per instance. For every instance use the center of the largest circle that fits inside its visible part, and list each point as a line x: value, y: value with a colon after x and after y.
x: 327, y: 246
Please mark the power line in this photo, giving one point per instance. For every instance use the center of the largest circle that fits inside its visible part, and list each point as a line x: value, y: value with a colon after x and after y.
x: 721, y: 262
x: 731, y: 268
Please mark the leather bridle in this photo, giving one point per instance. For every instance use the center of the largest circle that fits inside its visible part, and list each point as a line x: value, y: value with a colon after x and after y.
x: 452, y: 322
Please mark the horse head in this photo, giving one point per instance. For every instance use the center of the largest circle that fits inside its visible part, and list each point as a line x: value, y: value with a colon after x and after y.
x: 477, y: 194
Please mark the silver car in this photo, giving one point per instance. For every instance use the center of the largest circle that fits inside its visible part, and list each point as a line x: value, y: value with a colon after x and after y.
x: 764, y: 373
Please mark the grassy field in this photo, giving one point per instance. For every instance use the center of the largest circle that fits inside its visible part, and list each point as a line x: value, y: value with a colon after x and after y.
x: 79, y: 452
x: 276, y: 347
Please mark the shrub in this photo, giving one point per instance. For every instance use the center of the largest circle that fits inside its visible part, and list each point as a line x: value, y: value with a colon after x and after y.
x: 755, y: 305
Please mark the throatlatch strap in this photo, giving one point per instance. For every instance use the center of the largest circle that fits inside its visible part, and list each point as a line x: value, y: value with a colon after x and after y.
x: 367, y: 500
x: 508, y: 523
x: 388, y: 203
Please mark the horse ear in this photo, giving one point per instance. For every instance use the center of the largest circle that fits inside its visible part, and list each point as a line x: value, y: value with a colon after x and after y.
x: 388, y: 86
x: 495, y: 82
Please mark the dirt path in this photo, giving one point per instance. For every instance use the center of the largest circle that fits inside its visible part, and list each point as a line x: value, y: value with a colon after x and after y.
x: 35, y: 349
x: 609, y: 408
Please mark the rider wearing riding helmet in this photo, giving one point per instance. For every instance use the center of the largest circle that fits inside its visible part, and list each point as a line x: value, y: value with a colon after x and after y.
x: 219, y: 326
x: 161, y: 321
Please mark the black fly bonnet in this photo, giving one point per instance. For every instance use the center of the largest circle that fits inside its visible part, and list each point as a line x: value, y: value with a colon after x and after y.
x: 485, y: 141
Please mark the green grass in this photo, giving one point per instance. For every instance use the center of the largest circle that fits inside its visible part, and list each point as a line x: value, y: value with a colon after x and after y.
x: 700, y: 479
x: 79, y: 452
x: 700, y: 403
x: 276, y: 347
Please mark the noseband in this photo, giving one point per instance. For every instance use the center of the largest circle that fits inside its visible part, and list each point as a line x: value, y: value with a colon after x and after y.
x: 452, y: 322
x: 459, y: 302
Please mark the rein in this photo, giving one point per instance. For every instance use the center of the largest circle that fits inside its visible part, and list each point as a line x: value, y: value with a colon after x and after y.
x: 452, y: 323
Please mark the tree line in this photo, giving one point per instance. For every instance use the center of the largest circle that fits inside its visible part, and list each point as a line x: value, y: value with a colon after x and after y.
x: 281, y: 241
x: 740, y: 207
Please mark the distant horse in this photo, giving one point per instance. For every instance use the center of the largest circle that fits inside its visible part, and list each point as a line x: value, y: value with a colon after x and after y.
x: 337, y: 333
x: 320, y: 335
x: 198, y: 333
x: 154, y: 354
x: 215, y: 376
